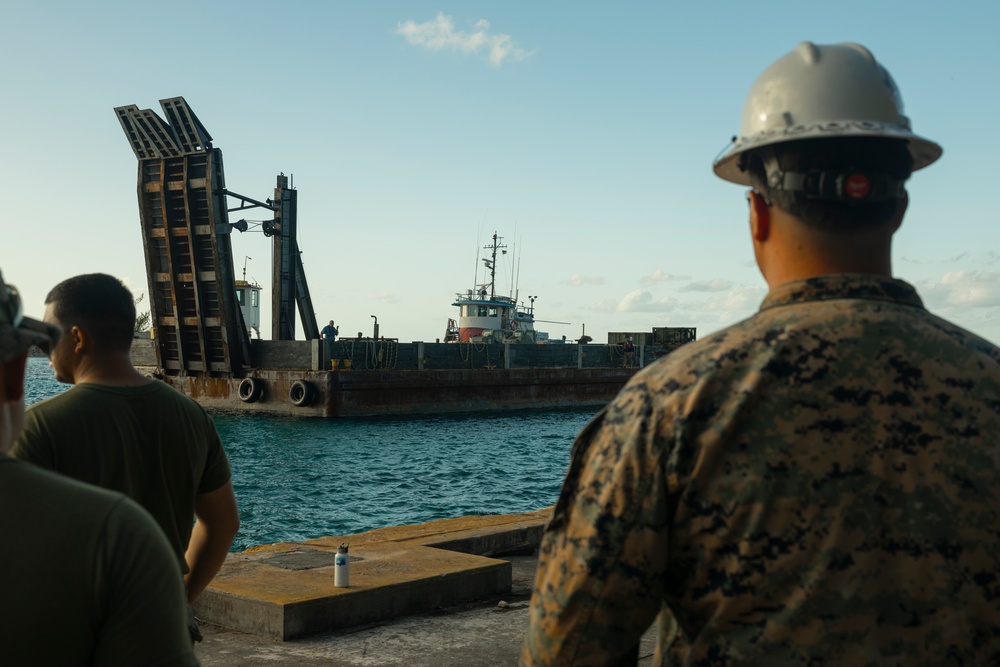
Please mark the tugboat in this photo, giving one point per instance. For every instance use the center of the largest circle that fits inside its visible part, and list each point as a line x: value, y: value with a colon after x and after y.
x: 487, y: 317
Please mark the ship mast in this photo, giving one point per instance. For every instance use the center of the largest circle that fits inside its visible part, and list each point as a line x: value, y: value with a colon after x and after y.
x: 492, y: 263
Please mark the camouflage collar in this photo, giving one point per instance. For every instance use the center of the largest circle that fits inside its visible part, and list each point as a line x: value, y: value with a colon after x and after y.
x: 843, y: 286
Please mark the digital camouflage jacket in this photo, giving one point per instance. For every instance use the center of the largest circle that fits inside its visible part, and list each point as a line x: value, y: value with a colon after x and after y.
x: 816, y: 485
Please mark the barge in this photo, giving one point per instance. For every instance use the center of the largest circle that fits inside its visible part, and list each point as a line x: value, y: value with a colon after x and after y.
x: 202, y: 316
x: 367, y: 377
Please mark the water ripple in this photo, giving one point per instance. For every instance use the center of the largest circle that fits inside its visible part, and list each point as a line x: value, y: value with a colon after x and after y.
x: 321, y: 478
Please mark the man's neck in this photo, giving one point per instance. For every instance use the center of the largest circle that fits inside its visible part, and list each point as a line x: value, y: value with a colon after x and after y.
x: 114, y: 370
x: 786, y: 274
x: 795, y: 251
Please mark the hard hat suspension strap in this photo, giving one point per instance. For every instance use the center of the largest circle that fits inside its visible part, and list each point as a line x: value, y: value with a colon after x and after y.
x: 848, y: 186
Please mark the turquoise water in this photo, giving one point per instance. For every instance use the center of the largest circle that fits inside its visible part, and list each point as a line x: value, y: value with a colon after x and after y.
x: 298, y: 479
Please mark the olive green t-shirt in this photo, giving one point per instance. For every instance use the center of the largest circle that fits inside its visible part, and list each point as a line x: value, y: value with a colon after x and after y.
x: 150, y: 442
x: 86, y: 578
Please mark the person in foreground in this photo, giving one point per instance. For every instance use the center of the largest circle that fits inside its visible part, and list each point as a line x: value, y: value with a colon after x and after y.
x: 121, y: 430
x: 86, y: 576
x: 818, y: 484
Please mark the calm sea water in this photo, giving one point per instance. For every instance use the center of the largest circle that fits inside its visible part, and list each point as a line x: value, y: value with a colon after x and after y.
x: 298, y: 479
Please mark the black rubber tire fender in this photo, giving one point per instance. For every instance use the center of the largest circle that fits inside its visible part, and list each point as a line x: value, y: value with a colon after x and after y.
x: 301, y: 393
x: 250, y: 390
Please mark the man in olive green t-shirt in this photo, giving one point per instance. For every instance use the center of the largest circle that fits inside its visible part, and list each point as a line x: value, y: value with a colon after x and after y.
x: 86, y: 577
x: 121, y: 430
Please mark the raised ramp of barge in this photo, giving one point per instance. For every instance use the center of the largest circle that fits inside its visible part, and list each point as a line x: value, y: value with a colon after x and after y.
x: 284, y: 591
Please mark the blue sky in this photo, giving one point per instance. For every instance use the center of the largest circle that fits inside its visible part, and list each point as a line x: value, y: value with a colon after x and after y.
x: 582, y: 132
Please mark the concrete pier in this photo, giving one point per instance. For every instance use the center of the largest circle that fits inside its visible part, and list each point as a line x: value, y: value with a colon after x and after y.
x: 286, y: 590
x: 467, y: 631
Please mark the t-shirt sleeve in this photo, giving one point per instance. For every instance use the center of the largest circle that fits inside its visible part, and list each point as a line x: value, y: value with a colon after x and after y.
x: 141, y: 589
x: 34, y: 444
x: 217, y: 470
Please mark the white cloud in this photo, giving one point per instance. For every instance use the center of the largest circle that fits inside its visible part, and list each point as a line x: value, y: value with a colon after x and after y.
x: 730, y: 306
x: 660, y: 276
x: 726, y: 305
x: 717, y: 285
x: 641, y: 301
x: 383, y: 297
x: 441, y: 34
x: 963, y: 289
x: 577, y: 280
x: 605, y: 306
x: 968, y: 258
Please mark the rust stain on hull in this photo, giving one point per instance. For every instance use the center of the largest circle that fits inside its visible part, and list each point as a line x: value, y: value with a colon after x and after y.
x: 200, y: 388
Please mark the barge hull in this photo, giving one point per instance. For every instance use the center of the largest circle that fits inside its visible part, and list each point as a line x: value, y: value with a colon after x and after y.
x: 382, y: 393
x: 376, y: 378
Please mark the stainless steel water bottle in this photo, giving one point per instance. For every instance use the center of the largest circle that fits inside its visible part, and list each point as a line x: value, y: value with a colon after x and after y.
x: 342, y: 567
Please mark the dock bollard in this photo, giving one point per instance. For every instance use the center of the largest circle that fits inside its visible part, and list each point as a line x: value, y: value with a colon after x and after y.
x: 342, y: 567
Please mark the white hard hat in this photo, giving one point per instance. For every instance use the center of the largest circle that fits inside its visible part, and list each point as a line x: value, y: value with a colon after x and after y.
x: 828, y: 90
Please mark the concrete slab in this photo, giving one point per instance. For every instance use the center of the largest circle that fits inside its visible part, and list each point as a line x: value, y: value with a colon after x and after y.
x: 475, y: 634
x: 284, y: 591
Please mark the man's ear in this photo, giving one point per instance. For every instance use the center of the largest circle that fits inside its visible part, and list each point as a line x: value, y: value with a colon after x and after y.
x: 760, y: 218
x: 81, y: 339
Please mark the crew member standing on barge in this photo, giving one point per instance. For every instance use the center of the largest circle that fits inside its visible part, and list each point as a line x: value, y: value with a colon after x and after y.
x: 330, y: 331
x: 628, y: 352
x: 817, y: 484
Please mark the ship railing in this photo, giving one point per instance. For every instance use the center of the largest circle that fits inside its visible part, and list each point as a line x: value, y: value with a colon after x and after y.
x: 466, y: 297
x: 502, y: 352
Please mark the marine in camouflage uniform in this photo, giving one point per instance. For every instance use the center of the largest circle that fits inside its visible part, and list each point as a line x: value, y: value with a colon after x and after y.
x: 816, y: 485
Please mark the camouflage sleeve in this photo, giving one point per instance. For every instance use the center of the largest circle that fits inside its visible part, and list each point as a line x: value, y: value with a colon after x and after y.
x: 602, y: 560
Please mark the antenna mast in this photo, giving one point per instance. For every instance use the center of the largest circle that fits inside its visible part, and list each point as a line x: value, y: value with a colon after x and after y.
x: 492, y: 263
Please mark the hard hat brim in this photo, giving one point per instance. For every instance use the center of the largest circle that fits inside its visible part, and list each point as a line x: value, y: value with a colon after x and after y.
x: 727, y: 167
